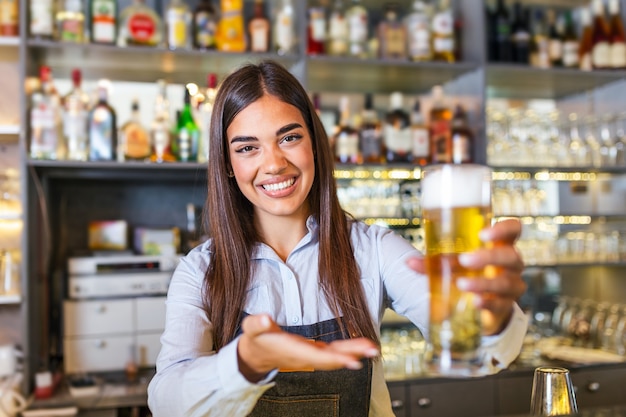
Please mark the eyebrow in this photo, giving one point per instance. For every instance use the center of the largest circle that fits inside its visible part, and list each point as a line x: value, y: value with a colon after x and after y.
x: 287, y: 128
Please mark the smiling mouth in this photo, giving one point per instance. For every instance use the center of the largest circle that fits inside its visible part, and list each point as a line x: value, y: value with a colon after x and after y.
x: 279, y: 185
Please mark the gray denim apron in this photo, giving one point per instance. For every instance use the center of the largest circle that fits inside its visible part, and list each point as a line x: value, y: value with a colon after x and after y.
x: 339, y: 393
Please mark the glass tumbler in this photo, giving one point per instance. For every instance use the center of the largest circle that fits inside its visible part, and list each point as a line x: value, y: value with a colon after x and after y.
x: 456, y: 206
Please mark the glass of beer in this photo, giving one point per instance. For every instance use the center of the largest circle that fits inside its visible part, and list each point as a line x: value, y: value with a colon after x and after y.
x: 456, y: 206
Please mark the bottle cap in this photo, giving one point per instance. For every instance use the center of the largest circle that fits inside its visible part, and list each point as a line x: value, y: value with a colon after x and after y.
x: 76, y: 76
x: 45, y: 73
x: 211, y: 80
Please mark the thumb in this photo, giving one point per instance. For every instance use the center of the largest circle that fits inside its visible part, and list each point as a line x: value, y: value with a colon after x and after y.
x: 416, y: 264
x: 256, y: 324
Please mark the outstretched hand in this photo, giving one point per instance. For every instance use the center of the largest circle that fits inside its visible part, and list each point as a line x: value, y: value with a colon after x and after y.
x: 264, y: 346
x: 503, y: 283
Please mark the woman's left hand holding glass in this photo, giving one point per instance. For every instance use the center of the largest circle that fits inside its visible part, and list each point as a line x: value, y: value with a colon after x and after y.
x: 503, y: 264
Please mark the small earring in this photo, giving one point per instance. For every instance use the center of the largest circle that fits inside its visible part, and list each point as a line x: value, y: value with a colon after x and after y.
x: 231, y: 174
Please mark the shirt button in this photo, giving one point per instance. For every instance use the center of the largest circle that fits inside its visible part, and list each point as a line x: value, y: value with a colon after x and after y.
x: 295, y: 319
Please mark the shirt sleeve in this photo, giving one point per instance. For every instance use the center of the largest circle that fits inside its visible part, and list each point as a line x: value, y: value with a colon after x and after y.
x: 191, y: 378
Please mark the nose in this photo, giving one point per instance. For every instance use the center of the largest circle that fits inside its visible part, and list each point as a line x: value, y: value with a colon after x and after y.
x: 274, y: 160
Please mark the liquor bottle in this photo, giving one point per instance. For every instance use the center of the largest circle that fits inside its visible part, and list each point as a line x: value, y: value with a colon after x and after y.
x: 443, y: 33
x: 397, y: 131
x: 539, y: 46
x: 392, y: 37
x: 617, y: 36
x: 370, y: 133
x: 41, y: 19
x: 316, y: 30
x: 46, y: 134
x: 284, y: 28
x: 70, y: 22
x: 570, y: 42
x: 417, y: 25
x: 419, y: 136
x: 103, y: 22
x: 140, y: 25
x: 585, y: 47
x: 555, y: 41
x: 133, y: 137
x: 102, y: 127
x: 440, y: 128
x: 358, y: 22
x: 178, y: 25
x: 259, y: 29
x: 204, y: 25
x: 9, y: 17
x: 346, y: 139
x: 520, y: 35
x: 231, y: 35
x: 337, y: 30
x: 187, y: 133
x: 206, y: 110
x: 503, y: 52
x: 75, y: 112
x: 601, y: 50
x: 160, y: 129
x: 462, y: 137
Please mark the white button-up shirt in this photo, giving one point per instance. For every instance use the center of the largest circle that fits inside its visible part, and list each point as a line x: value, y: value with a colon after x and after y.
x: 193, y: 380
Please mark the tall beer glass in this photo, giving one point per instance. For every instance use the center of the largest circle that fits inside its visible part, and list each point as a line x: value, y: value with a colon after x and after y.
x: 456, y: 206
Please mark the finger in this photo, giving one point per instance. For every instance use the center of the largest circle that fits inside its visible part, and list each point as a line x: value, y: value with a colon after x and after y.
x: 360, y: 347
x: 505, y: 256
x: 507, y: 230
x: 257, y: 324
x: 505, y: 285
x: 416, y: 264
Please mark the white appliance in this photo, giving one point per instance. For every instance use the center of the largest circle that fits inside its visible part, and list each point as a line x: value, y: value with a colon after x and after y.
x: 120, y: 275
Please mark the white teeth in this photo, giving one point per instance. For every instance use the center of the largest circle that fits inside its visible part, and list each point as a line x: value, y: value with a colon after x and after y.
x: 279, y: 186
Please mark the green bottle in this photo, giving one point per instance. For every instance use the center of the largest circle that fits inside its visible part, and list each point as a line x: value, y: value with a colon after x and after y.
x: 187, y: 133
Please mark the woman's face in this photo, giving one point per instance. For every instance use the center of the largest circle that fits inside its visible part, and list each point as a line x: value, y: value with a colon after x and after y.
x: 271, y: 154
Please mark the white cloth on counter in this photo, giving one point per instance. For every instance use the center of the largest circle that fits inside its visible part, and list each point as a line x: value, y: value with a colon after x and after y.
x: 193, y: 380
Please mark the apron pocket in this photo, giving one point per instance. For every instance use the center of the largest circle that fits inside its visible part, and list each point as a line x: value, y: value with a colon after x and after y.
x: 326, y: 405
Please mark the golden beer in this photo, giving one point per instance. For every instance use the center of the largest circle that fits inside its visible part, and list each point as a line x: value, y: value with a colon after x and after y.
x: 456, y: 206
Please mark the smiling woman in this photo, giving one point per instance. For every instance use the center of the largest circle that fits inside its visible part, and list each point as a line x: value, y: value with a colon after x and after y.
x: 279, y: 312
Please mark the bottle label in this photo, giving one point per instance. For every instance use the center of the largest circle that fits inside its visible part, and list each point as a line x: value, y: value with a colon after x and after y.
x: 8, y: 13
x: 440, y: 136
x: 284, y: 32
x: 347, y: 147
x: 338, y: 35
x: 177, y: 28
x: 71, y: 30
x: 317, y: 25
x: 41, y: 21
x: 419, y: 37
x: 141, y: 28
x: 394, y: 42
x: 460, y: 149
x: 601, y: 55
x: 357, y: 24
x: 44, y: 140
x: 103, y: 21
x: 570, y: 54
x: 443, y: 24
x: 101, y: 136
x: 136, y: 143
x: 421, y: 142
x: 371, y: 141
x: 618, y: 55
x: 443, y: 44
x: 259, y: 36
x: 398, y: 140
x: 586, y: 63
x: 205, y: 30
x: 555, y: 49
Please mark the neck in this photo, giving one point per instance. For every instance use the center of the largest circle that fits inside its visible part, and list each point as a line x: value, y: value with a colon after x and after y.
x: 282, y: 233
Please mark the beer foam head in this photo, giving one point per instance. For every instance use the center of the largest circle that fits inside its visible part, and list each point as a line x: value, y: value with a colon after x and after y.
x: 462, y: 185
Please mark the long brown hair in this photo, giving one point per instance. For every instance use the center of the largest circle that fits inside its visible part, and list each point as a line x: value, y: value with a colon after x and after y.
x: 230, y: 214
